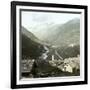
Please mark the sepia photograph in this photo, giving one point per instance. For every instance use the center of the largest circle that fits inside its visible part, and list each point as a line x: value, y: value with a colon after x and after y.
x: 50, y: 44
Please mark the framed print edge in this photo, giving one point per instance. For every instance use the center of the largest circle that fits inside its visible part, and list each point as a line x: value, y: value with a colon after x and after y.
x: 86, y: 45
x: 13, y: 43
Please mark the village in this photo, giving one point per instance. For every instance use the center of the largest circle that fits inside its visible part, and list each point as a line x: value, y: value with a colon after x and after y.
x: 69, y: 65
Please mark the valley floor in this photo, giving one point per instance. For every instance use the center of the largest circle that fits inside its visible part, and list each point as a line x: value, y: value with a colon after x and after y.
x: 50, y: 68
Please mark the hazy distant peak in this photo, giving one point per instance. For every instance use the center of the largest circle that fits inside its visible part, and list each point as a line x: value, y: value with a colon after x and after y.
x: 75, y: 20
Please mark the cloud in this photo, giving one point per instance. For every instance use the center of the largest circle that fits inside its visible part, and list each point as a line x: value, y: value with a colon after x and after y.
x: 32, y: 19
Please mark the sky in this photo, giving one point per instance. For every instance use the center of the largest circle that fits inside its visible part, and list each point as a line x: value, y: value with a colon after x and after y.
x: 30, y: 18
x: 36, y: 21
